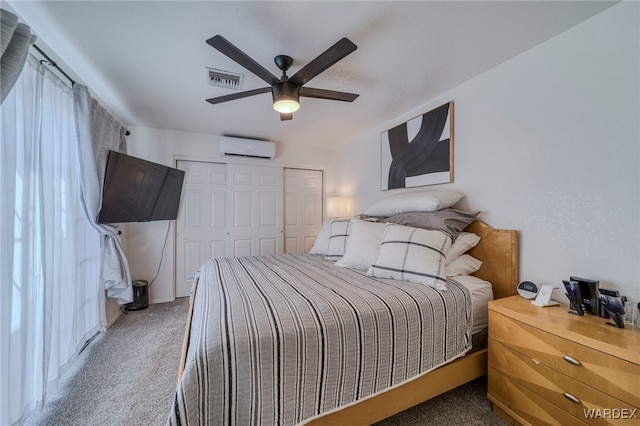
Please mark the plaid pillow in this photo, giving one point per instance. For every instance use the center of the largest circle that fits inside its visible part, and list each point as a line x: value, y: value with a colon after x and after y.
x: 412, y: 254
x: 338, y: 239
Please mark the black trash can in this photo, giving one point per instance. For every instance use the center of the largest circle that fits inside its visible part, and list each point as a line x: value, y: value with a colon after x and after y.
x: 140, y: 296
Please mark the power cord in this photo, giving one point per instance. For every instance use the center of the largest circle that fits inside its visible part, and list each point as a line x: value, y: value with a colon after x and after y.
x: 166, y: 237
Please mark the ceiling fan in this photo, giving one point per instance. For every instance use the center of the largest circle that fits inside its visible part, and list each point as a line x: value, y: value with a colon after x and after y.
x: 286, y: 91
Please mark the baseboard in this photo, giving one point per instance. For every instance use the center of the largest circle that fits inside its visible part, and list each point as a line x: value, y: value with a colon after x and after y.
x: 165, y: 300
x: 114, y: 319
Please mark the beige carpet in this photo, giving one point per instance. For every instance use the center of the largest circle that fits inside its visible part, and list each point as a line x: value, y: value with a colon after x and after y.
x: 127, y: 376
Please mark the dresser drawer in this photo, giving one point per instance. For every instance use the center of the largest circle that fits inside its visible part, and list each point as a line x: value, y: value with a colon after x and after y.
x: 528, y: 406
x: 568, y: 394
x: 611, y: 375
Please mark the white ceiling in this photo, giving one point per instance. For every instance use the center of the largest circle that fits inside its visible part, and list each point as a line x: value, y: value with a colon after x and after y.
x: 147, y: 59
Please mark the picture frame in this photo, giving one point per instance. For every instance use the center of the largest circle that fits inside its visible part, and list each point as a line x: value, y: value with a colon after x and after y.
x: 419, y: 151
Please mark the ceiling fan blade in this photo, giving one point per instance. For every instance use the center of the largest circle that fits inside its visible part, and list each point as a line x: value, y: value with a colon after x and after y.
x: 327, y: 94
x: 224, y: 46
x: 327, y: 58
x: 240, y: 95
x: 284, y: 116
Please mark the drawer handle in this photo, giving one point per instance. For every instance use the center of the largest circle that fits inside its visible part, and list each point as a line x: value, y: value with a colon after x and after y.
x: 571, y: 360
x: 571, y: 398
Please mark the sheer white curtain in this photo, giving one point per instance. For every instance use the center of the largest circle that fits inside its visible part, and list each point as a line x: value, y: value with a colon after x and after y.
x: 49, y: 254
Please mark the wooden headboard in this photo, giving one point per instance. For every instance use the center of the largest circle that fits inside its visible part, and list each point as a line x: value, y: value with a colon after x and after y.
x: 498, y: 251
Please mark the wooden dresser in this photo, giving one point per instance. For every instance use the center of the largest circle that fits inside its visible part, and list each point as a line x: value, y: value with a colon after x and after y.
x: 549, y: 367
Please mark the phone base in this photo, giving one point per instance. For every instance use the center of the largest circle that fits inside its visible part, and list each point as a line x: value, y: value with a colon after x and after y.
x: 549, y: 303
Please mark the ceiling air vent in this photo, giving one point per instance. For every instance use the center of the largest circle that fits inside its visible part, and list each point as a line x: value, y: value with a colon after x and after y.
x: 224, y: 79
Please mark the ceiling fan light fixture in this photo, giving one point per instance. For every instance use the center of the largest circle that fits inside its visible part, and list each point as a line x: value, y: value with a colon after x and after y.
x: 286, y: 106
x: 286, y: 97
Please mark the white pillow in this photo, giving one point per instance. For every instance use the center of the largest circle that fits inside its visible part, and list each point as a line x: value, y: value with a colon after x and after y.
x: 463, y: 265
x: 464, y: 242
x: 362, y: 244
x: 321, y: 244
x: 412, y: 254
x: 338, y: 239
x: 422, y: 201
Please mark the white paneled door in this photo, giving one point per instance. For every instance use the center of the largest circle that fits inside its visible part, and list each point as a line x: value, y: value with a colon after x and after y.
x: 227, y: 210
x: 302, y: 209
x: 201, y: 226
x: 255, y: 210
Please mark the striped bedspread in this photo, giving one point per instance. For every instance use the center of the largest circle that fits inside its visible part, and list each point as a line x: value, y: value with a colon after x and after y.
x: 278, y: 340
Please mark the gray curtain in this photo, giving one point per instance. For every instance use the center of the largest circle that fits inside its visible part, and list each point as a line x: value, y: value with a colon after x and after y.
x: 98, y: 132
x: 16, y: 39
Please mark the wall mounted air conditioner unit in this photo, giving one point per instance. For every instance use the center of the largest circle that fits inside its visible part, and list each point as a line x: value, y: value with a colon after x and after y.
x: 247, y: 147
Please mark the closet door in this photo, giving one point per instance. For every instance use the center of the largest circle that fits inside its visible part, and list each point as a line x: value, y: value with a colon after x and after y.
x: 232, y: 210
x: 254, y: 210
x: 302, y: 209
x: 201, y: 226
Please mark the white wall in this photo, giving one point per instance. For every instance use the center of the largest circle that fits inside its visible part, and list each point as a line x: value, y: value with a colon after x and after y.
x: 143, y: 242
x: 548, y: 144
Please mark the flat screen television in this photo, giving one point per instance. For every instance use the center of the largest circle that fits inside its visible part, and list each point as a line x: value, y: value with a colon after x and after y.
x: 137, y: 190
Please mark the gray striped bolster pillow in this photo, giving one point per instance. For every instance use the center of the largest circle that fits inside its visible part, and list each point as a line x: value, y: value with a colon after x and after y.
x: 412, y: 254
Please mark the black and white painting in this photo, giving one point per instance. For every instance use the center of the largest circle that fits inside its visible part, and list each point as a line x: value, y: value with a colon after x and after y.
x: 420, y: 151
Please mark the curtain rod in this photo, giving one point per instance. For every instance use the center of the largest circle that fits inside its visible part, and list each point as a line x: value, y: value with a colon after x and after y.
x: 52, y: 63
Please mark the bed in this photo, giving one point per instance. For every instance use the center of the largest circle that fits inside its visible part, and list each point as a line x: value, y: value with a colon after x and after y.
x: 319, y: 373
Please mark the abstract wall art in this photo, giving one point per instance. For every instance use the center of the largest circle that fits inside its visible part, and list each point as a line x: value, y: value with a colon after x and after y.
x: 419, y: 151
